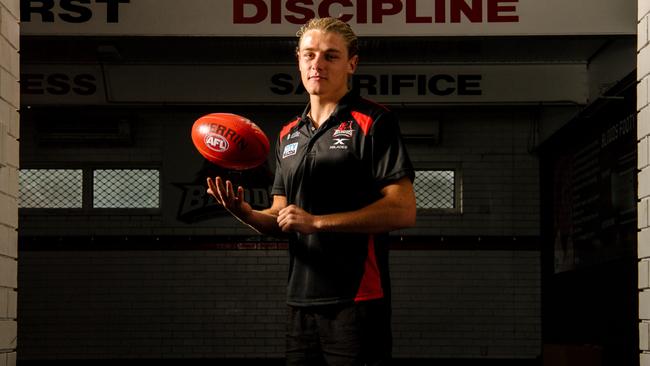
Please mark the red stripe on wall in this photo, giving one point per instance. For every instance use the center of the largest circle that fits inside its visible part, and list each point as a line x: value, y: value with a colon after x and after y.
x: 212, y: 242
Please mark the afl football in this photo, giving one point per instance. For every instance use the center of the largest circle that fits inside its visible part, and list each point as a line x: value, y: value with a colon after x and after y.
x: 230, y: 141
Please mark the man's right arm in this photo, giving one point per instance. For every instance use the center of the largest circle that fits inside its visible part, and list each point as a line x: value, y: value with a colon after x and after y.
x: 266, y: 221
x: 262, y: 221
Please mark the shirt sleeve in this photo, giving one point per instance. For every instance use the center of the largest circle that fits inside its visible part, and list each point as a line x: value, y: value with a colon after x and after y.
x: 390, y: 157
x: 278, y: 183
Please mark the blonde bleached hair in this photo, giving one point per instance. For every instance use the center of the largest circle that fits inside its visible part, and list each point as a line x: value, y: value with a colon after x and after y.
x: 335, y: 26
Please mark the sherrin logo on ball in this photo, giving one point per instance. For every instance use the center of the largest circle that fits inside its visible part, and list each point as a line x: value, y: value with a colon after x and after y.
x: 230, y: 141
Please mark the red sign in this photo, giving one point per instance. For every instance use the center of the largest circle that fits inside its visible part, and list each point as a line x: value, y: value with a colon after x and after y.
x: 375, y: 11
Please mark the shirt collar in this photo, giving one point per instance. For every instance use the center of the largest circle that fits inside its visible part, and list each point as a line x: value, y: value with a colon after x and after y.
x: 341, y: 111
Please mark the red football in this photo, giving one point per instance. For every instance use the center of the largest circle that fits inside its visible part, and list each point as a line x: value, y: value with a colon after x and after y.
x: 230, y: 141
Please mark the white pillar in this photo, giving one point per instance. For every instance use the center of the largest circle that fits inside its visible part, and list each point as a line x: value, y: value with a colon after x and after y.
x: 643, y: 136
x: 9, y: 130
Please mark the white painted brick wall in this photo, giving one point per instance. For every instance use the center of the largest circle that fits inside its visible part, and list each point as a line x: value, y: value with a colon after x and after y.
x: 644, y: 275
x: 642, y: 214
x: 642, y: 32
x: 643, y: 123
x: 9, y: 105
x: 643, y: 131
x: 643, y: 8
x: 231, y: 304
x: 642, y: 153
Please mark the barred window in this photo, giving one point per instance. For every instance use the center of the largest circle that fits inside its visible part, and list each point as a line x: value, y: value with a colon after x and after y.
x: 50, y: 188
x: 436, y: 189
x: 89, y: 188
x: 126, y: 188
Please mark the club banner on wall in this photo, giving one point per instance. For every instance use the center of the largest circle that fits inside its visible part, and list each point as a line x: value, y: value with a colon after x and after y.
x: 368, y: 17
x: 197, y: 206
x: 590, y: 175
x: 280, y: 84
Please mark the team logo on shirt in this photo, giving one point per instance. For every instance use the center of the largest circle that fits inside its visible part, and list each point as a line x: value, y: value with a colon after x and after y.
x: 344, y: 130
x: 341, y: 136
x: 290, y: 150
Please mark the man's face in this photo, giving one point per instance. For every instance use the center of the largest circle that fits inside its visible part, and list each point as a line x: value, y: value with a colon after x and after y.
x: 324, y: 63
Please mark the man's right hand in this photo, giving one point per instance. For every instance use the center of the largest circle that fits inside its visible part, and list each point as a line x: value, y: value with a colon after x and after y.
x: 226, y: 196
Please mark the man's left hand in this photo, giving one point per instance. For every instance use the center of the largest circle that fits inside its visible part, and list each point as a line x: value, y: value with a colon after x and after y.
x: 294, y: 219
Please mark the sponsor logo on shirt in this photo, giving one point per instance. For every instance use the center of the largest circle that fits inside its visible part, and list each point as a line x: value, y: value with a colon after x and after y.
x: 290, y: 150
x: 293, y: 135
x: 339, y: 144
x: 344, y: 130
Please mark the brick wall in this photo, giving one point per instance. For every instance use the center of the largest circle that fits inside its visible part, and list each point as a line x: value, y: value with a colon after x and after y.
x: 230, y: 304
x: 466, y: 303
x: 643, y: 134
x: 152, y: 304
x: 490, y: 147
x: 500, y: 175
x: 9, y: 131
x: 449, y: 302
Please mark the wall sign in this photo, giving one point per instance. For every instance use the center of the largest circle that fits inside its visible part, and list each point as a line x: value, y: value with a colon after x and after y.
x: 368, y: 17
x: 280, y: 84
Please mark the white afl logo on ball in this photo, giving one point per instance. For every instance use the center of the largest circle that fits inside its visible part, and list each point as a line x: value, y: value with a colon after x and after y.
x: 216, y: 142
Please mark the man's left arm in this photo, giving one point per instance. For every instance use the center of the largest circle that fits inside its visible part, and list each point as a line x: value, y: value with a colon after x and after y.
x: 394, y: 210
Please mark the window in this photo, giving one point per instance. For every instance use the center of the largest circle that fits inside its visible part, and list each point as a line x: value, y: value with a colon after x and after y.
x: 437, y: 190
x: 89, y: 188
x: 50, y: 188
x: 125, y: 188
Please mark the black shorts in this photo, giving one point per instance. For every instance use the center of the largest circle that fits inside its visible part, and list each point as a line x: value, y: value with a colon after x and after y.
x: 354, y: 334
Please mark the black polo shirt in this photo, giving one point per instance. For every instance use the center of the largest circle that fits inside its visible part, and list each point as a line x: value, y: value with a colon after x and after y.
x: 339, y: 167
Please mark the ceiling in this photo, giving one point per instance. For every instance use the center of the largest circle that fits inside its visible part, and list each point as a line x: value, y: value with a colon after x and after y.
x: 260, y: 50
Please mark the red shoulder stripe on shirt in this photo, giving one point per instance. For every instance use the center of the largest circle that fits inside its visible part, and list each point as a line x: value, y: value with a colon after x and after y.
x: 285, y: 130
x: 370, y: 287
x: 364, y: 121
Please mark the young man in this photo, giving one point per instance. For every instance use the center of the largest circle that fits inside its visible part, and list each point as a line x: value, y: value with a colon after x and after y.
x: 343, y: 180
